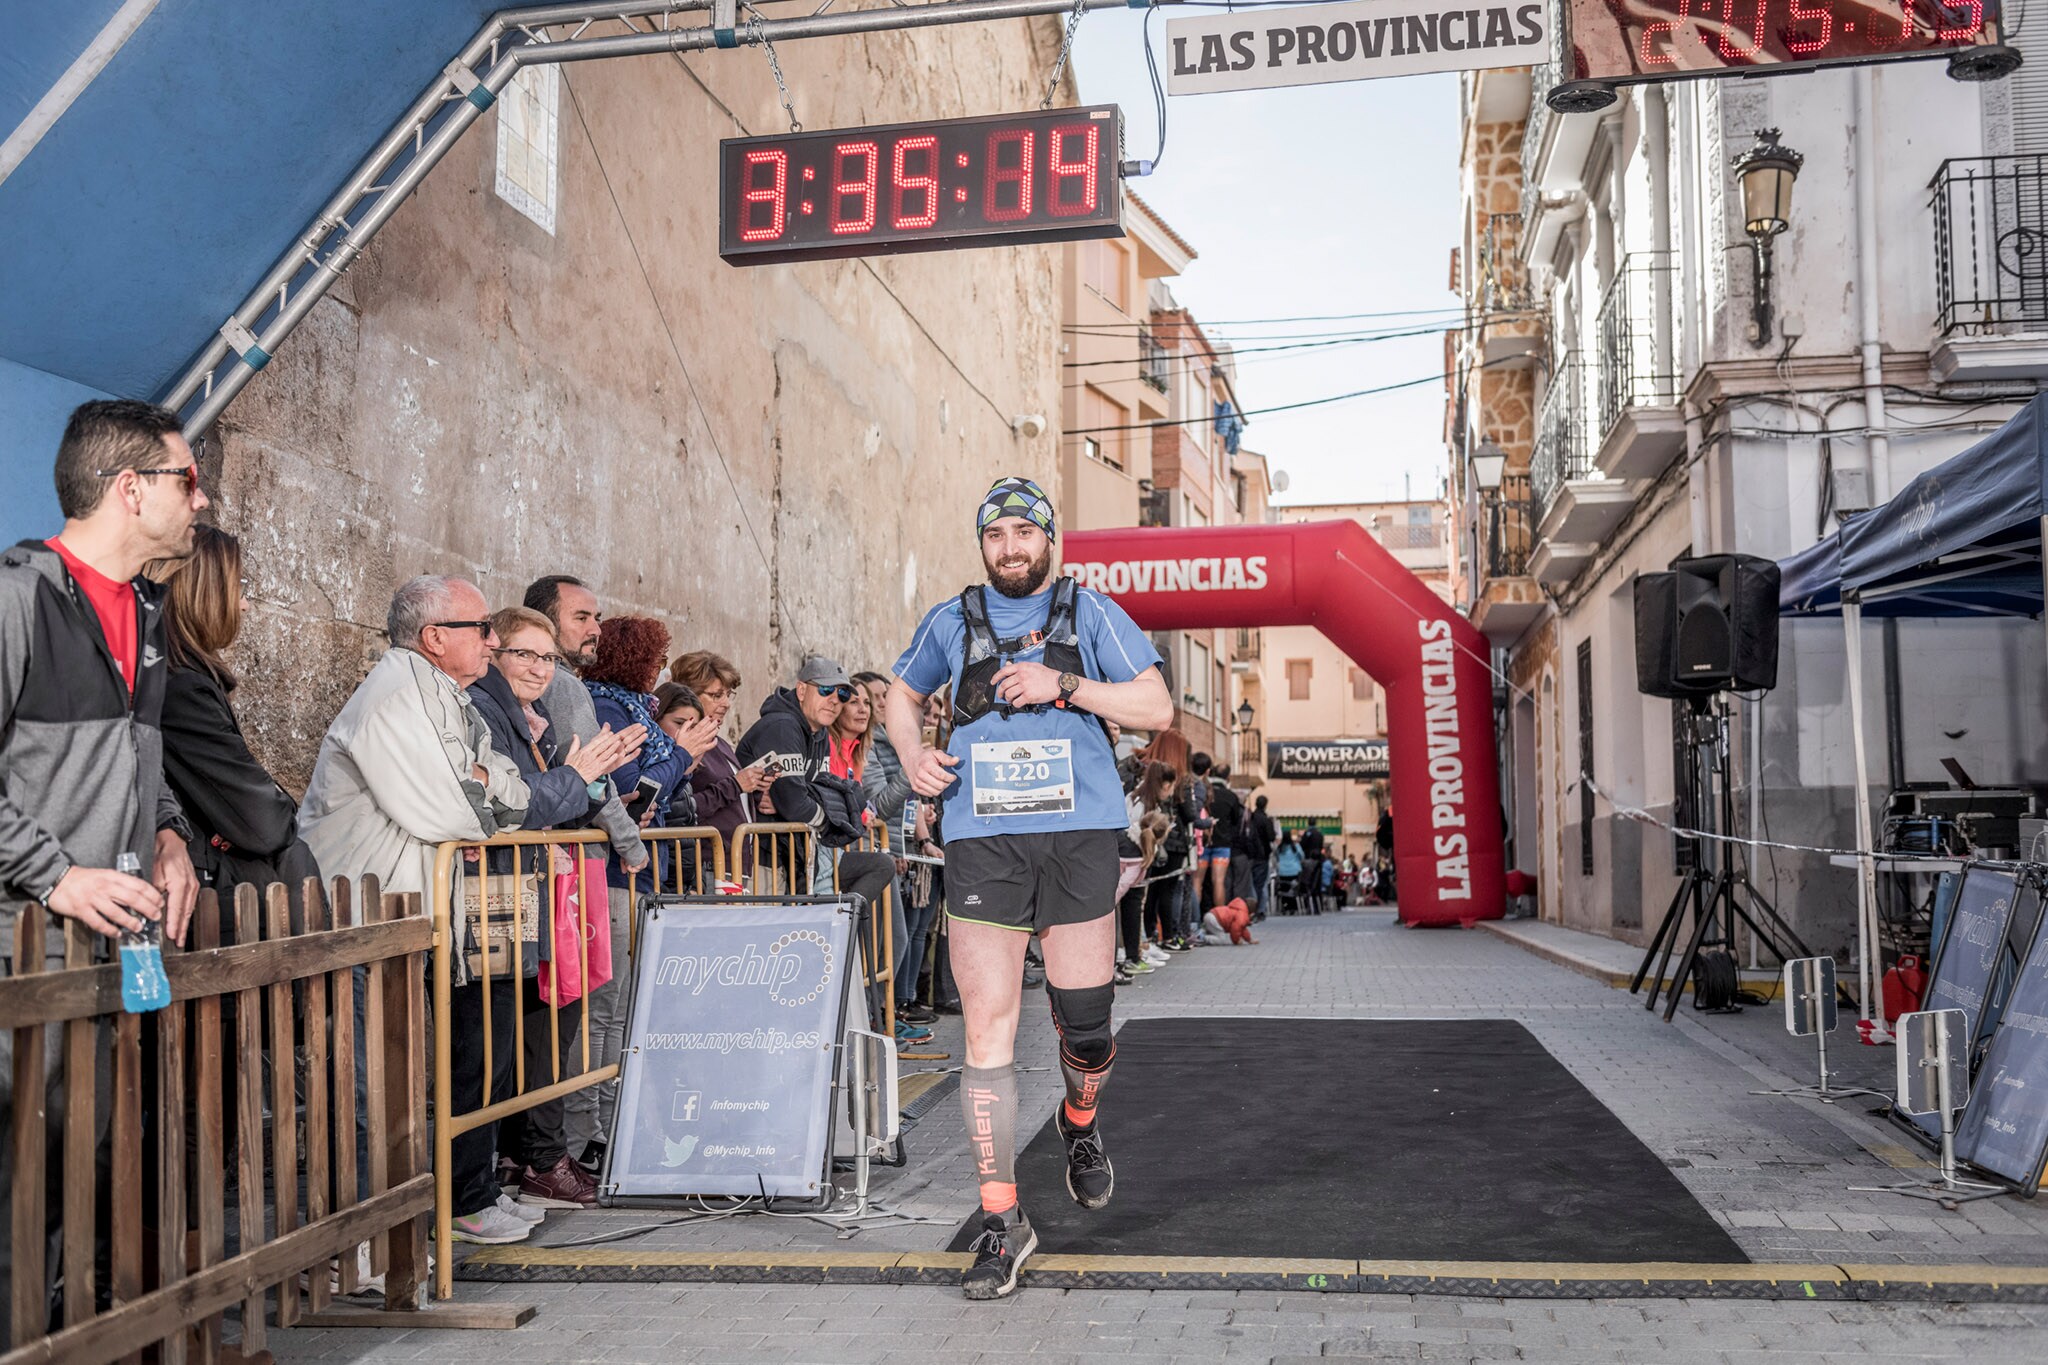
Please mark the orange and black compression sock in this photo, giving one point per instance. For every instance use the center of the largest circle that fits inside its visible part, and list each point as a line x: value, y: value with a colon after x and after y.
x: 988, y: 1102
x: 1087, y: 1048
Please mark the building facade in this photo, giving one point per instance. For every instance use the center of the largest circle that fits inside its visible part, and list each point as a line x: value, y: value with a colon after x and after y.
x: 542, y: 366
x: 1148, y: 404
x: 1629, y: 387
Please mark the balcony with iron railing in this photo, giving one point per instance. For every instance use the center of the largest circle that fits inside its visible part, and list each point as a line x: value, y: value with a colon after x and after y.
x: 1576, y: 505
x: 1991, y: 267
x: 1248, y: 645
x: 1153, y: 360
x: 1505, y: 598
x: 1510, y: 322
x: 1640, y: 425
x: 1251, y: 758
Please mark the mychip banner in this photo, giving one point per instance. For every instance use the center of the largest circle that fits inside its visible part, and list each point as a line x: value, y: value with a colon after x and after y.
x: 731, y: 1049
x: 1254, y: 49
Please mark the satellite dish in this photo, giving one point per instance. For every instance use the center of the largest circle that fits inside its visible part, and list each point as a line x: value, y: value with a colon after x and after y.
x: 1280, y: 481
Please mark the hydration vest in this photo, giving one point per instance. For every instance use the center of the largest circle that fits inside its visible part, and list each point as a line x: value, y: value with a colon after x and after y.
x: 986, y: 654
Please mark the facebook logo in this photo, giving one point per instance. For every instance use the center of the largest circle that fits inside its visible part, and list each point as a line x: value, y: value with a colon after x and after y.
x: 687, y: 1105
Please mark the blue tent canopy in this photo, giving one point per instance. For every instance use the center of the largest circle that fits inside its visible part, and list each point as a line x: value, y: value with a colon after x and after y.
x: 1963, y: 539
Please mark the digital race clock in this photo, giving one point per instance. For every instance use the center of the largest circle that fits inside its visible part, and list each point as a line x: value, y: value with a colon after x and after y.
x: 1624, y: 42
x: 1045, y: 176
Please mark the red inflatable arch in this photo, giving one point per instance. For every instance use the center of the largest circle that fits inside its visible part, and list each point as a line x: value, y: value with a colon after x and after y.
x: 1334, y: 576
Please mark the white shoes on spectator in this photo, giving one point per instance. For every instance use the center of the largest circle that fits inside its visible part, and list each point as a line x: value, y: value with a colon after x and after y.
x: 524, y: 1213
x: 1156, y: 956
x: 497, y: 1225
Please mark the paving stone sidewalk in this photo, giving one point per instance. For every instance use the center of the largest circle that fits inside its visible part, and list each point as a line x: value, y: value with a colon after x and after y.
x: 1774, y: 1171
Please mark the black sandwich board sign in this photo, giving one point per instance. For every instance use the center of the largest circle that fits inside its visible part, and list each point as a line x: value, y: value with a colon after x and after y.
x: 732, y: 1046
x: 1989, y: 930
x: 2005, y: 1128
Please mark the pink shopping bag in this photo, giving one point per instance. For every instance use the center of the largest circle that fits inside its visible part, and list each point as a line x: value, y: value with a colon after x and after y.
x: 585, y: 913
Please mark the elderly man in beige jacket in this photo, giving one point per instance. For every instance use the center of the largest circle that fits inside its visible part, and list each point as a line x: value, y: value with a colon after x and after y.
x: 407, y: 765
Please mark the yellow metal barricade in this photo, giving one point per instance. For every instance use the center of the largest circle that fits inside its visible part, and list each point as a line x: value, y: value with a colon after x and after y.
x: 772, y: 858
x: 517, y: 908
x: 881, y: 942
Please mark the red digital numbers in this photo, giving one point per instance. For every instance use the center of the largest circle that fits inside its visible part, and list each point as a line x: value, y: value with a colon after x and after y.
x: 860, y: 188
x: 1073, y: 175
x: 903, y: 184
x: 1729, y: 46
x: 1008, y: 171
x: 754, y: 195
x: 1969, y: 28
x: 1807, y: 40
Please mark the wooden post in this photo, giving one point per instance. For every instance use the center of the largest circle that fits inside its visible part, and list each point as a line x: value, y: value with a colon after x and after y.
x: 31, y: 1309
x: 319, y: 1137
x: 170, y: 1140
x: 209, y: 1187
x: 127, y: 1172
x: 81, y: 1138
x: 405, y: 1104
x: 284, y: 1103
x: 343, y: 998
x: 249, y: 1119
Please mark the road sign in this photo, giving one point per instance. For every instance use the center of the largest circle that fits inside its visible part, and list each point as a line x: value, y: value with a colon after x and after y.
x: 1314, y: 44
x: 1049, y: 175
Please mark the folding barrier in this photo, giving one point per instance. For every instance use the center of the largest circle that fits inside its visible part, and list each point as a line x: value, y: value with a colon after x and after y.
x: 245, y: 1087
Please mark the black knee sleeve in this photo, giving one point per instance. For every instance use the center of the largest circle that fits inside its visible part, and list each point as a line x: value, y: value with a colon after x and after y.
x: 1082, y: 1018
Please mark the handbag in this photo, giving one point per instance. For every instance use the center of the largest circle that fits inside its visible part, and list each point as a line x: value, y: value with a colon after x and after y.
x: 492, y: 918
x: 561, y: 978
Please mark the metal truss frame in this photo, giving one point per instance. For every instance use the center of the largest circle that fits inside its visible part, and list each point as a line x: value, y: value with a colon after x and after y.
x: 468, y: 86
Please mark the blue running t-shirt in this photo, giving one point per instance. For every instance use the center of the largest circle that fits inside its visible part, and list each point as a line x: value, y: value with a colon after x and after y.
x: 1037, y: 772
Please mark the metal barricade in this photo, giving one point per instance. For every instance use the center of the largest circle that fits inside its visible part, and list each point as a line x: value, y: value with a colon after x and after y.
x: 881, y: 939
x: 773, y: 858
x: 517, y: 907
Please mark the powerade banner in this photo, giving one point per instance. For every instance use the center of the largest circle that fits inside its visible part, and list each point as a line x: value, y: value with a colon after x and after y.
x: 727, y: 1079
x: 1352, y: 758
x: 1254, y: 48
x: 1435, y: 667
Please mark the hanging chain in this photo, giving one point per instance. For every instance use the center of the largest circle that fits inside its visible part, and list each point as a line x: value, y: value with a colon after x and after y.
x: 775, y: 67
x: 1059, y: 64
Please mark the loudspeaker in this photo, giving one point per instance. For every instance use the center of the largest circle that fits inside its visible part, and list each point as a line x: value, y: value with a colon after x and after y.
x: 1709, y: 625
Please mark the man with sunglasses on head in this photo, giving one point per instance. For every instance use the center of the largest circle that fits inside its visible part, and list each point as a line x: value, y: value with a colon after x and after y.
x: 792, y: 741
x: 82, y: 677
x: 1039, y: 669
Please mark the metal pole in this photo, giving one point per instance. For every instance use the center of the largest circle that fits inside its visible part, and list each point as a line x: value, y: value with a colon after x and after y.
x: 469, y: 106
x: 1866, y: 876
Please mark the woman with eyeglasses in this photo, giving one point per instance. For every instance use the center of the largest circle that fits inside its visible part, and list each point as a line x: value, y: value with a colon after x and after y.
x: 508, y: 697
x: 246, y: 826
x: 722, y: 787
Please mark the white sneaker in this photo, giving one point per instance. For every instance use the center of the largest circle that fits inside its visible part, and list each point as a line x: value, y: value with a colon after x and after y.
x: 525, y: 1213
x: 492, y: 1227
x: 1154, y: 955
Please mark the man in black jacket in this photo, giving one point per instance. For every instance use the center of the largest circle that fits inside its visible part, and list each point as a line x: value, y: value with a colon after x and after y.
x: 82, y: 667
x: 1226, y: 814
x: 1255, y: 846
x: 792, y: 740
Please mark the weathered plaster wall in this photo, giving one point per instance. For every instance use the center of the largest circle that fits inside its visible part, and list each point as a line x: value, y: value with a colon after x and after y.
x: 481, y: 397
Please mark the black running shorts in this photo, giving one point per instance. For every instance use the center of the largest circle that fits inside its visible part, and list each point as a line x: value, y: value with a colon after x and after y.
x: 1030, y: 882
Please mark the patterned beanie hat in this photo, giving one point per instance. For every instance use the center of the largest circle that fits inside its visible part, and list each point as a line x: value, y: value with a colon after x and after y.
x: 1016, y: 497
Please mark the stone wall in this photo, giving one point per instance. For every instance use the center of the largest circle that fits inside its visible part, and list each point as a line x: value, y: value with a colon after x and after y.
x: 774, y: 461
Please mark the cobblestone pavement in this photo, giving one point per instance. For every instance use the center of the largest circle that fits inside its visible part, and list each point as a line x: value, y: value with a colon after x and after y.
x: 1774, y: 1171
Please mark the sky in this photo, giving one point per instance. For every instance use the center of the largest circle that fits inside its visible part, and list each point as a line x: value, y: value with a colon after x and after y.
x: 1307, y: 202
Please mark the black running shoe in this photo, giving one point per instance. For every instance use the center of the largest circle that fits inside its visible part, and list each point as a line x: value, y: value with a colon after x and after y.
x: 1090, y: 1177
x: 999, y: 1255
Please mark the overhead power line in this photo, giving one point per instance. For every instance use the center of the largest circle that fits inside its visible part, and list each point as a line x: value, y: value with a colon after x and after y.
x: 1436, y: 378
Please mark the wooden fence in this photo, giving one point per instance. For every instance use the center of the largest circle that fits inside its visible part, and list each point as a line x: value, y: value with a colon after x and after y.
x: 242, y: 1096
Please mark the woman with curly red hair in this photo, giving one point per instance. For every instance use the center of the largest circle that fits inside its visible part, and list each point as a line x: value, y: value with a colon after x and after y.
x: 630, y: 652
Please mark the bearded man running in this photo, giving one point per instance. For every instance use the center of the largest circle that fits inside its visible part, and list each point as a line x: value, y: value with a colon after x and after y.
x: 1032, y: 809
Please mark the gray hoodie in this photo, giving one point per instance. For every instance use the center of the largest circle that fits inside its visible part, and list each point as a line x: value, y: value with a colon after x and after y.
x: 81, y: 765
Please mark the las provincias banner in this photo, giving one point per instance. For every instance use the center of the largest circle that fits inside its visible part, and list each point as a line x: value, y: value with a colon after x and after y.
x: 1314, y: 44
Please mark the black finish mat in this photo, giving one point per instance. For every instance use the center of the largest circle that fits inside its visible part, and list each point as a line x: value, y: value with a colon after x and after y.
x: 1362, y: 1139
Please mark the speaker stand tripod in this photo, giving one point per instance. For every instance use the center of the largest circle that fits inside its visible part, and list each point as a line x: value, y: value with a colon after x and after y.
x: 1718, y: 896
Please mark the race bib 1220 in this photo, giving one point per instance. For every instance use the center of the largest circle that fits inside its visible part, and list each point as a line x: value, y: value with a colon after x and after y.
x: 1023, y: 777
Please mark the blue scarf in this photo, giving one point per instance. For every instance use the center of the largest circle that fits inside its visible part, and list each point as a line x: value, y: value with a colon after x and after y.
x: 659, y: 747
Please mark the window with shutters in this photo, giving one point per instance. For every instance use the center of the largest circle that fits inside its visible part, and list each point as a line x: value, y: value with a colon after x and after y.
x: 2027, y: 89
x: 1196, y: 699
x: 1102, y: 416
x: 1104, y: 264
x: 1585, y: 670
x: 1298, y: 671
x: 1361, y: 685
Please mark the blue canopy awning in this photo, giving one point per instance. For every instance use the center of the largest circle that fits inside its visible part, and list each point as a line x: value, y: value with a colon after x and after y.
x: 1963, y: 539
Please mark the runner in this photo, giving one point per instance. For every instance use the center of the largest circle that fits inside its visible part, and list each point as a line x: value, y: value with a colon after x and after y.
x: 1032, y: 807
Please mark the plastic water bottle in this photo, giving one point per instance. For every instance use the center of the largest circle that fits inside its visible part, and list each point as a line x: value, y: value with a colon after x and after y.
x: 144, y: 987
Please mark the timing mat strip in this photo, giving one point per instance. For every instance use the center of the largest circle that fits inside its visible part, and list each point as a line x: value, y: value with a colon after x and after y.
x: 1479, y: 1279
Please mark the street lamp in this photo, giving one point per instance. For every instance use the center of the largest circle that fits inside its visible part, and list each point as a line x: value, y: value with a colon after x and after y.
x: 1766, y: 171
x: 1244, y: 715
x: 1489, y: 467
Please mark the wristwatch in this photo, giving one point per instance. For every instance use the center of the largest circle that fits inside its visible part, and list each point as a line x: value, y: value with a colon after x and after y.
x: 1069, y: 684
